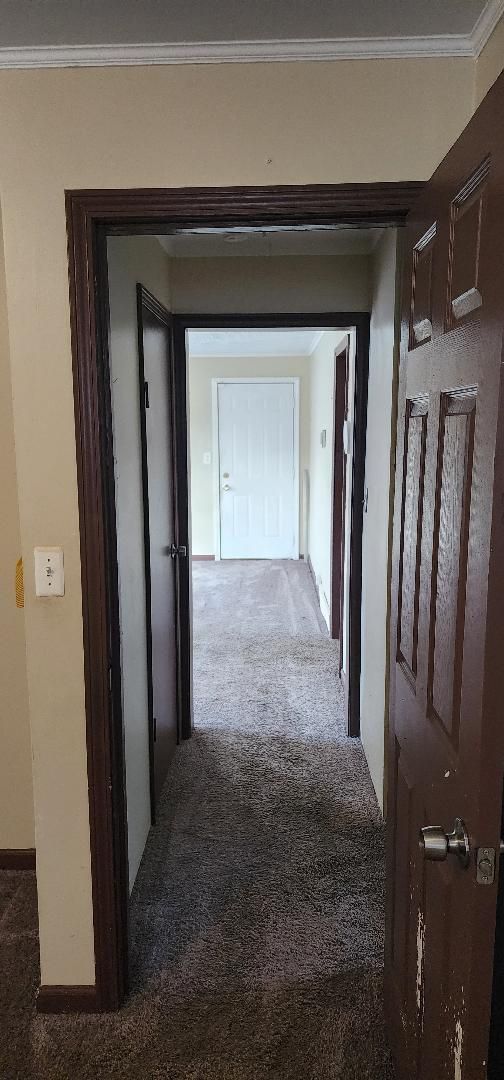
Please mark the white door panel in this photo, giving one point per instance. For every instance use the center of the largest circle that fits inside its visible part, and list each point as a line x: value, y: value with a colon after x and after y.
x: 257, y: 470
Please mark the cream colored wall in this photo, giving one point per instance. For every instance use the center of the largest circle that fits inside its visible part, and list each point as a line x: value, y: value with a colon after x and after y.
x: 202, y: 370
x: 383, y: 362
x: 321, y: 459
x: 16, y: 794
x: 279, y: 284
x: 221, y: 124
x: 131, y: 260
x: 490, y: 62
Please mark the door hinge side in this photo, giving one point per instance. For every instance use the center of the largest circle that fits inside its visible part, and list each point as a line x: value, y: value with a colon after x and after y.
x: 146, y: 394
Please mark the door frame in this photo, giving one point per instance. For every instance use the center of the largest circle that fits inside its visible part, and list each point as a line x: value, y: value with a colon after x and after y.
x: 341, y: 360
x: 92, y: 215
x: 291, y: 380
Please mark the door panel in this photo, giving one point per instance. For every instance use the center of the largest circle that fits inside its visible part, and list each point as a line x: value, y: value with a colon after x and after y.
x: 257, y: 470
x: 156, y: 404
x: 446, y: 731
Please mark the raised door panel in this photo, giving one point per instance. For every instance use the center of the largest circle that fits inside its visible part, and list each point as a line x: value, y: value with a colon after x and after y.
x: 467, y: 212
x: 411, y: 534
x: 422, y: 288
x: 449, y: 562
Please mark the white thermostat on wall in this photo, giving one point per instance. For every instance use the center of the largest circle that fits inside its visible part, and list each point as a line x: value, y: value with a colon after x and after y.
x: 49, y: 571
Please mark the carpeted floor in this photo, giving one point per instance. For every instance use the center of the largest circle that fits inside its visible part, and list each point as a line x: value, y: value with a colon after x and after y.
x: 257, y: 916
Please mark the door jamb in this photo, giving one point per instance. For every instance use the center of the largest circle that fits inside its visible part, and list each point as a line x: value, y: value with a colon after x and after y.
x: 291, y: 380
x: 338, y: 488
x: 92, y: 215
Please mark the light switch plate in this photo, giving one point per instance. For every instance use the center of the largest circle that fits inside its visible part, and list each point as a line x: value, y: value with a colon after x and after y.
x: 49, y: 572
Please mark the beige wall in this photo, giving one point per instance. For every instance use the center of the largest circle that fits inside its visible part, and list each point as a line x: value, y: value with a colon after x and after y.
x: 321, y: 460
x: 490, y: 62
x: 376, y: 540
x: 220, y: 124
x: 16, y: 795
x: 279, y: 284
x: 131, y: 260
x: 202, y: 369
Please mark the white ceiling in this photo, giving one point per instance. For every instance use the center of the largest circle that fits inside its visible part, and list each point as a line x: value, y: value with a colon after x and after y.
x: 73, y: 32
x: 215, y: 244
x: 253, y: 342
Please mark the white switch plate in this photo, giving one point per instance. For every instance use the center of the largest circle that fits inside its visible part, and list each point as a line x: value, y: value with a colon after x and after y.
x: 49, y: 572
x: 207, y: 458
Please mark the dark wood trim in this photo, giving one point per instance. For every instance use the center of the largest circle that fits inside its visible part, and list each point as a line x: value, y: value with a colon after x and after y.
x: 68, y: 999
x: 330, y: 320
x: 89, y: 319
x: 17, y: 858
x: 182, y: 531
x: 203, y: 558
x: 141, y: 210
x: 91, y: 216
x: 353, y: 677
x: 338, y: 509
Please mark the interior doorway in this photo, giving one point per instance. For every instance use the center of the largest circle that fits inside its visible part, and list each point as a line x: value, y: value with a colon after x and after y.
x: 111, y: 949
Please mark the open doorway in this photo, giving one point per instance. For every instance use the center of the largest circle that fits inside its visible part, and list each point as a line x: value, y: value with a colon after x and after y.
x: 353, y: 318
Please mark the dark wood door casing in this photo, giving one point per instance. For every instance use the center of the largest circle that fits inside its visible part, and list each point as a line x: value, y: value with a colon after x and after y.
x: 91, y: 216
x: 338, y: 512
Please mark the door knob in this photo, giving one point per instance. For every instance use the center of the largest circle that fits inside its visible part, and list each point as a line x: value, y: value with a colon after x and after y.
x: 226, y: 487
x: 436, y: 844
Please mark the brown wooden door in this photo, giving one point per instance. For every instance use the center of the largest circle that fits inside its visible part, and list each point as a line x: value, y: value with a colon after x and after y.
x: 156, y: 412
x: 341, y: 358
x: 447, y: 728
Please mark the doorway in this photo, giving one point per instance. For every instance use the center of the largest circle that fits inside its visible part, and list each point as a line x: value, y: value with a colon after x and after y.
x: 108, y: 845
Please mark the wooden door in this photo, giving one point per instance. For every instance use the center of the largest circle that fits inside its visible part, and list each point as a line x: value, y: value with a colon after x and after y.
x: 446, y: 754
x: 156, y: 413
x: 258, y: 469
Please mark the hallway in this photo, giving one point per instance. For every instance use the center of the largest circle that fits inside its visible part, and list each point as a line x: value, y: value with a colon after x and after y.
x: 261, y: 891
x: 257, y: 916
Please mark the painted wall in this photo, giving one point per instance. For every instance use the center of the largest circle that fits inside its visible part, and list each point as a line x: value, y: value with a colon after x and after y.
x: 131, y: 260
x: 490, y: 62
x: 16, y: 794
x: 221, y: 124
x: 383, y: 363
x: 321, y: 460
x: 277, y: 283
x: 202, y: 370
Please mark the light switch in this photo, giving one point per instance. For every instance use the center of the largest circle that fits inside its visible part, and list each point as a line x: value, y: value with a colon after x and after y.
x: 207, y: 458
x: 49, y: 572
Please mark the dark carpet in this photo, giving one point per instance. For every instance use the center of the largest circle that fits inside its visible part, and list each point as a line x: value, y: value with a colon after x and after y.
x: 257, y: 915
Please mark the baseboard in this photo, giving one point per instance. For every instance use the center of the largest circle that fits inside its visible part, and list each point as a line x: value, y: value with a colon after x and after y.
x: 67, y: 999
x: 17, y: 858
x: 312, y: 572
x: 203, y: 558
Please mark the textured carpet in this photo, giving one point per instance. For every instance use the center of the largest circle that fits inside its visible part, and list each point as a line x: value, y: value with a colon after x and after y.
x: 257, y: 916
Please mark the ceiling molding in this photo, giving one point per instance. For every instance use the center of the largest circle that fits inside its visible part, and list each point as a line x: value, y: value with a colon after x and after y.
x: 486, y: 24
x: 249, y: 52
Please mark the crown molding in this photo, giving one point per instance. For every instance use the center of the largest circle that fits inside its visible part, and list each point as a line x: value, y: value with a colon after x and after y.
x: 492, y: 12
x: 250, y: 52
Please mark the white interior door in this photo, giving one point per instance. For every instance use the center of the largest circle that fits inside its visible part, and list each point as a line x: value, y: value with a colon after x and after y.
x: 258, y: 470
